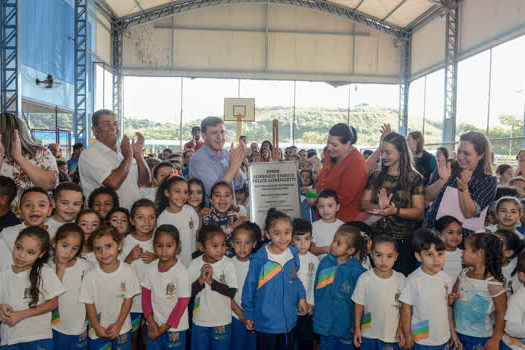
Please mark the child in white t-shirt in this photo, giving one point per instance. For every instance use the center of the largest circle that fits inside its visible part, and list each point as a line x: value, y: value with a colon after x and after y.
x: 323, y: 230
x: 426, y: 316
x: 172, y: 197
x: 160, y: 172
x: 103, y: 200
x: 214, y: 286
x: 514, y: 337
x: 68, y: 201
x: 89, y: 221
x: 34, y: 209
x: 508, y: 215
x: 481, y: 301
x: 26, y: 304
x: 308, y: 264
x: 450, y: 228
x: 137, y: 251
x: 376, y: 298
x: 244, y: 240
x: 511, y: 247
x: 69, y: 319
x: 119, y: 219
x: 166, y: 293
x: 108, y: 290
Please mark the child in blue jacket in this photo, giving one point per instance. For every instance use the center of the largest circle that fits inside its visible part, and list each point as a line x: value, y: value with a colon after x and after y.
x: 273, y: 293
x: 336, y: 279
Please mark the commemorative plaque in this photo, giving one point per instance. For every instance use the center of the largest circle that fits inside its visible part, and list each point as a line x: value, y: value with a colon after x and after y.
x: 274, y: 185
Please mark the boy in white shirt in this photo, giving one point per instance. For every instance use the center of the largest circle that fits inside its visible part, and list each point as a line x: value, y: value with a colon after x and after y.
x: 426, y: 317
x: 323, y: 230
x: 308, y: 264
x: 68, y: 201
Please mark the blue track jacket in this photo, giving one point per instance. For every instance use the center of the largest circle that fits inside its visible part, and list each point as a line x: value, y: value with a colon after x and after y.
x: 334, y: 285
x: 271, y: 293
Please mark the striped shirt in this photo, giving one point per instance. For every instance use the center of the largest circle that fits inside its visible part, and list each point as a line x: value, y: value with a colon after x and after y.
x: 482, y: 191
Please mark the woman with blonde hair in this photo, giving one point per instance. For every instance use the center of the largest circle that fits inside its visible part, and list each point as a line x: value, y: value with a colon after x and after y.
x: 471, y: 174
x: 22, y: 160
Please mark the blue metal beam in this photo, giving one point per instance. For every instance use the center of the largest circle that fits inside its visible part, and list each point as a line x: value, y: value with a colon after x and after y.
x: 81, y: 58
x: 10, y: 58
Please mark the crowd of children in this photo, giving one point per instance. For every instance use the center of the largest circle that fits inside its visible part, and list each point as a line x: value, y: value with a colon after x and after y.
x: 173, y: 273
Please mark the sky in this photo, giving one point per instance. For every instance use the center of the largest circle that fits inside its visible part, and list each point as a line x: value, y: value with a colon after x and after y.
x: 159, y: 99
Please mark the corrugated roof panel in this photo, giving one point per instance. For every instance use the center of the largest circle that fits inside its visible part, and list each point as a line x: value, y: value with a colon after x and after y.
x: 123, y: 7
x: 347, y: 3
x: 409, y: 11
x: 147, y: 4
x: 378, y: 8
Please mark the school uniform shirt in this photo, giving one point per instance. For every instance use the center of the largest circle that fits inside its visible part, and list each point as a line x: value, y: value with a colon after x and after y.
x: 166, y: 289
x: 323, y: 233
x: 149, y: 193
x: 15, y: 291
x: 453, y: 263
x: 507, y: 273
x: 70, y: 316
x: 241, y: 269
x: 6, y: 257
x: 52, y: 227
x: 137, y: 265
x: 380, y: 298
x: 474, y: 310
x: 187, y: 222
x: 334, y: 286
x: 212, y: 309
x: 91, y: 259
x: 9, y: 235
x: 272, y: 284
x: 307, y: 270
x: 515, y: 315
x: 428, y: 296
x: 107, y: 292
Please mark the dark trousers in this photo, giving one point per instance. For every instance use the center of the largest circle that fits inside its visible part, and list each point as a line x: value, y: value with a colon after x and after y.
x: 304, y: 337
x: 406, y: 261
x: 281, y: 341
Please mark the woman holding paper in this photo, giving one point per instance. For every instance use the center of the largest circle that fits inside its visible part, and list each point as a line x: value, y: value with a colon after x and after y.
x: 395, y: 195
x: 471, y: 176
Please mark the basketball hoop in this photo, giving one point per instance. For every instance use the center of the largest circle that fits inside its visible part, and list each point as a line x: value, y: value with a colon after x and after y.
x: 239, y: 118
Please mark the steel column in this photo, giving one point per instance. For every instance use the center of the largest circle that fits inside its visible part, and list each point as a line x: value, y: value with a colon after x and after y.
x: 81, y: 58
x: 404, y: 86
x: 116, y: 41
x: 451, y: 74
x: 10, y: 58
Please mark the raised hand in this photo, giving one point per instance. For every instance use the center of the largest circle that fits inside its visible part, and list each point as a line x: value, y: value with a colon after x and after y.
x: 125, y: 147
x: 16, y: 148
x: 444, y: 170
x: 385, y: 130
x: 237, y: 155
x: 464, y: 178
x: 138, y: 145
x: 384, y: 198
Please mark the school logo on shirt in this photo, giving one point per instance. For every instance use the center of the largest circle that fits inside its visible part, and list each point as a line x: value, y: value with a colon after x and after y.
x: 345, y: 288
x: 191, y: 224
x: 397, y: 303
x: 122, y: 291
x: 366, y: 322
x: 420, y: 330
x: 269, y: 271
x: 326, y: 277
x: 197, y: 306
x: 170, y: 289
x: 28, y: 293
x: 222, y: 278
x: 55, y: 317
x: 311, y: 267
x: 293, y: 271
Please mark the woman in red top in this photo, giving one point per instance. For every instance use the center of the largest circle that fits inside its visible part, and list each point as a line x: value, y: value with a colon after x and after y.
x: 344, y: 170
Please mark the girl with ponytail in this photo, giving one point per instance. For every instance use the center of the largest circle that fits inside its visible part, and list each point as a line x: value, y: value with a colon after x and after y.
x: 29, y: 291
x: 481, y: 303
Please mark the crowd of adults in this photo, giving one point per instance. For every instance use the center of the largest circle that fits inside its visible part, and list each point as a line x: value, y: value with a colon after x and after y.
x: 395, y: 189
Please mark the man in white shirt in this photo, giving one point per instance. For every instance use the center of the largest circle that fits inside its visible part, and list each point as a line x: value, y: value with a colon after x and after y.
x: 106, y: 163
